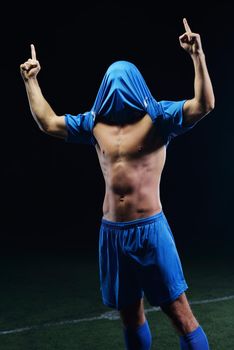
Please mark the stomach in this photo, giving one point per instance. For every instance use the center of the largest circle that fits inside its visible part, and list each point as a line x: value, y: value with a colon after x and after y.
x: 132, y: 192
x: 122, y: 179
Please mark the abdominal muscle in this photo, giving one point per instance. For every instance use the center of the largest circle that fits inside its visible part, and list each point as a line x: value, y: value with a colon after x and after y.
x: 131, y: 159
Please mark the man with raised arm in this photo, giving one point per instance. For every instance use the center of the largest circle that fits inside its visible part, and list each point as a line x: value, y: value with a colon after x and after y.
x: 130, y: 131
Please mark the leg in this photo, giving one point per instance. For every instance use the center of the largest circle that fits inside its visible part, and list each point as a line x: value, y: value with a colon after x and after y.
x: 181, y: 315
x: 192, y: 336
x: 137, y: 334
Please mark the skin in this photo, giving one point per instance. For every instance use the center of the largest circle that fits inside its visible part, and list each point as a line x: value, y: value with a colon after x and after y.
x: 132, y: 158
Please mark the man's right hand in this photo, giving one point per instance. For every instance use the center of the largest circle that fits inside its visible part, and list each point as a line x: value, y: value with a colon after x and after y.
x: 31, y: 67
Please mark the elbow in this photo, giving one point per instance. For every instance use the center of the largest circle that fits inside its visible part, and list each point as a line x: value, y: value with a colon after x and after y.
x: 210, y: 106
x: 46, y: 129
x: 207, y: 107
x: 41, y: 128
x: 46, y: 126
x: 41, y: 125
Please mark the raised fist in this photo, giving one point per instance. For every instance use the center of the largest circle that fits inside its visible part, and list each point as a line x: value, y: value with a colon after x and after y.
x: 189, y: 41
x: 31, y: 67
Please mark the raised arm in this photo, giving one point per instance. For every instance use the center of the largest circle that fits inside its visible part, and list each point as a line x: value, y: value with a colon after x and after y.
x: 45, y: 117
x: 203, y: 101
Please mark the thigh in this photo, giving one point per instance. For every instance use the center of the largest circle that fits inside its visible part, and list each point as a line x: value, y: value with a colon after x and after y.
x: 118, y: 278
x: 162, y: 274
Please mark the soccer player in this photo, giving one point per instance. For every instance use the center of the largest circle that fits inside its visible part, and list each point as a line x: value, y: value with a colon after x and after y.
x: 130, y: 131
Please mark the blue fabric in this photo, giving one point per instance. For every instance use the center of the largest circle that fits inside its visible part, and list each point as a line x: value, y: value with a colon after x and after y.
x: 139, y: 257
x: 79, y: 129
x: 139, y: 338
x: 172, y: 124
x: 123, y: 97
x: 196, y: 340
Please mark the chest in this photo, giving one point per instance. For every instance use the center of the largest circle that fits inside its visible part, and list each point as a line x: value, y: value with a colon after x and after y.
x: 127, y: 140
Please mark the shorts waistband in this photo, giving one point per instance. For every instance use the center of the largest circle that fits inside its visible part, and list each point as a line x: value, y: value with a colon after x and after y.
x: 132, y: 223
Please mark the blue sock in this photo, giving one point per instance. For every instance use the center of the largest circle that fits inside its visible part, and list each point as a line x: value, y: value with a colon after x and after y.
x: 139, y: 338
x: 195, y: 340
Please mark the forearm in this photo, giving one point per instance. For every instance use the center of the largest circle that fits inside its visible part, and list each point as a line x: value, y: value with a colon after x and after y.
x: 203, y: 90
x: 203, y: 101
x: 40, y: 108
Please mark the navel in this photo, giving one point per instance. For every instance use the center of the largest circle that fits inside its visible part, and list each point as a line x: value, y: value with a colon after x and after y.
x: 121, y: 198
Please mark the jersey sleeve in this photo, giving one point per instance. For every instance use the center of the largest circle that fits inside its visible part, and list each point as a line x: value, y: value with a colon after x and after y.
x: 174, y: 119
x: 79, y: 128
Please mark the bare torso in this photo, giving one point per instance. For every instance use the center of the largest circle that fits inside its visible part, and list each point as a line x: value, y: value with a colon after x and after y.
x: 132, y: 158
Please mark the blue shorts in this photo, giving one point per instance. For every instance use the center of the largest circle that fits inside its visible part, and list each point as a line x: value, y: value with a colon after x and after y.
x: 138, y: 258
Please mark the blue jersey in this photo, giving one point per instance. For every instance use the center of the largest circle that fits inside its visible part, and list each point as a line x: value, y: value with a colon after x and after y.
x: 122, y: 97
x: 170, y: 125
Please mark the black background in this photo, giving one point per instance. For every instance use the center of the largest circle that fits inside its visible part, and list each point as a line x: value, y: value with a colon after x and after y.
x: 52, y: 191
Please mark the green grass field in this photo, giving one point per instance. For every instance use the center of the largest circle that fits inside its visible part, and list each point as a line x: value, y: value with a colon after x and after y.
x: 47, y: 293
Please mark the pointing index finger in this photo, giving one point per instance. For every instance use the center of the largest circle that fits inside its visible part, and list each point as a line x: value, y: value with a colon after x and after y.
x: 186, y: 26
x: 33, y: 52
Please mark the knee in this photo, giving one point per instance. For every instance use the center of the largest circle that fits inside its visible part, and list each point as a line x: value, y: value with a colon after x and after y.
x: 133, y: 316
x: 132, y: 321
x: 185, y: 323
x: 181, y: 315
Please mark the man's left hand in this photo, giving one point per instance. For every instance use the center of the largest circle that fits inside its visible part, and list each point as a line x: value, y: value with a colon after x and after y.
x: 189, y: 41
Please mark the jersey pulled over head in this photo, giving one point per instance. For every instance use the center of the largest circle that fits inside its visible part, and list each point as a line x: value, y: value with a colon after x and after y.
x: 123, y: 96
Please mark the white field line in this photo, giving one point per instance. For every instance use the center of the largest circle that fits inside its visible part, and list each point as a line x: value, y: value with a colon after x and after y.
x: 110, y: 315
